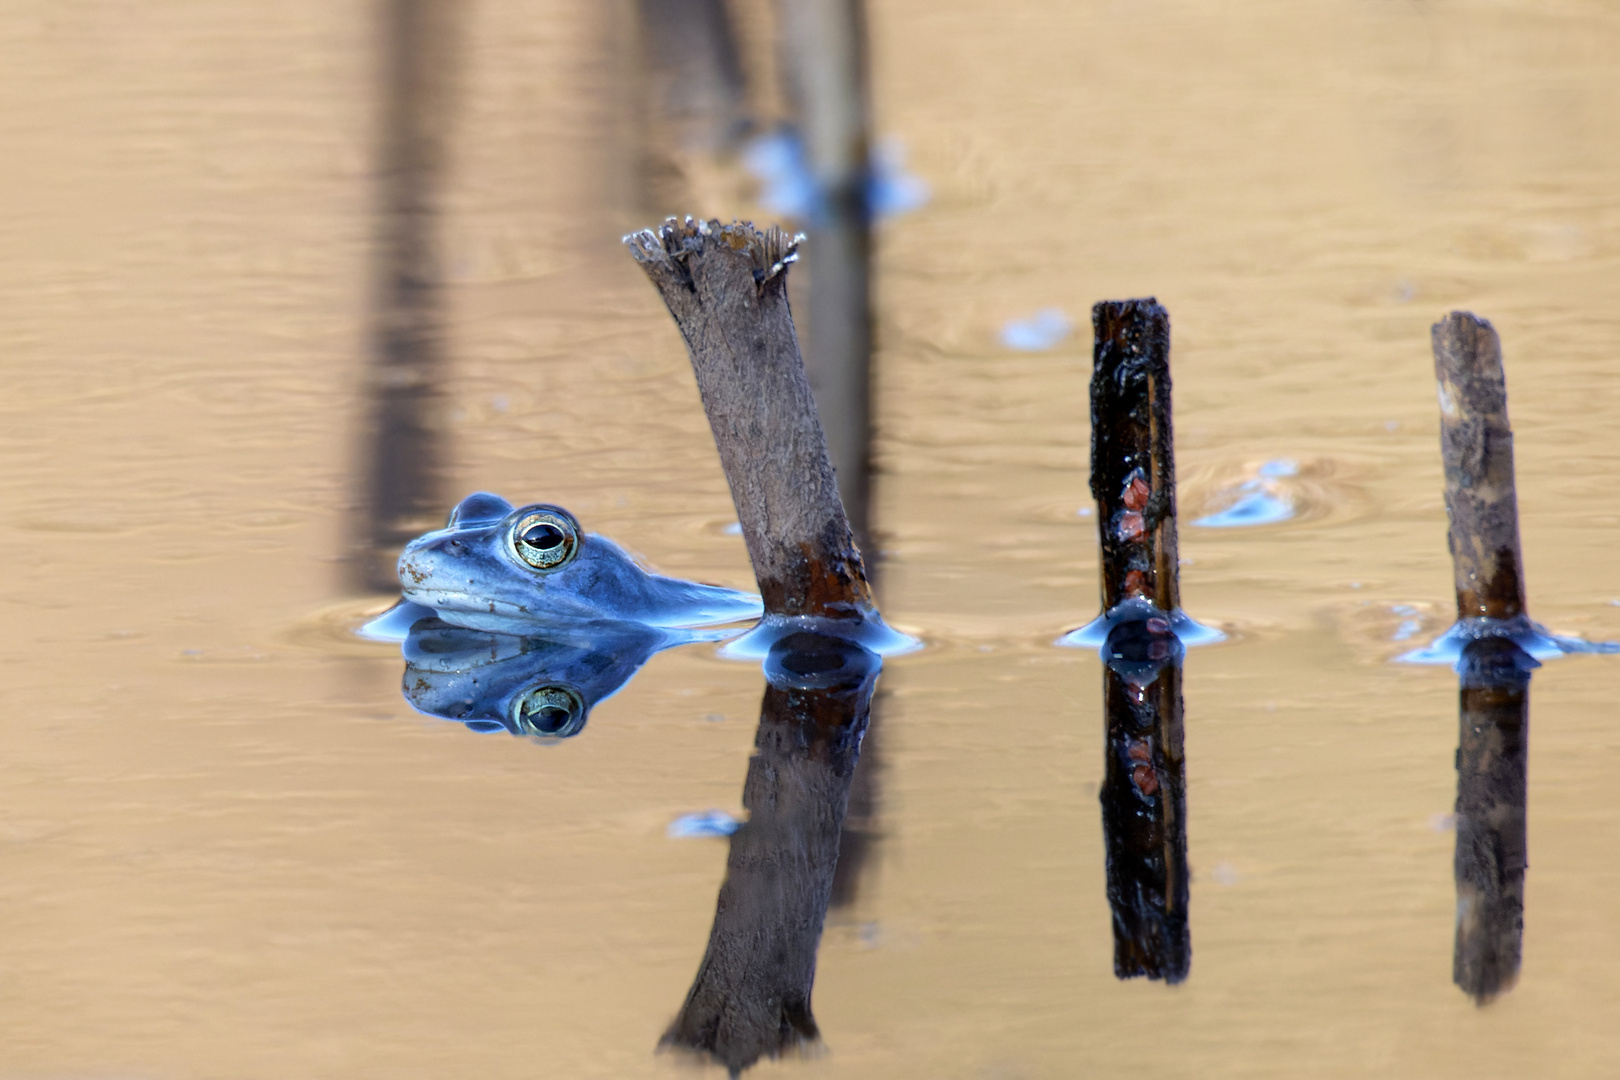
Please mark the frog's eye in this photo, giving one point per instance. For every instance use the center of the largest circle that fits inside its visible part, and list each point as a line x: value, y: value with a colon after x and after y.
x: 545, y: 539
x: 549, y: 710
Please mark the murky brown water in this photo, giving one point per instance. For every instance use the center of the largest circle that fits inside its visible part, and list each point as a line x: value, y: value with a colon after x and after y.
x: 230, y: 850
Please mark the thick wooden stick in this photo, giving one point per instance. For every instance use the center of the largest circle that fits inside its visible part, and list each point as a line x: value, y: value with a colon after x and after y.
x: 1133, y: 471
x: 1476, y: 446
x: 1144, y: 802
x: 726, y: 287
x: 1494, y: 719
x: 751, y: 996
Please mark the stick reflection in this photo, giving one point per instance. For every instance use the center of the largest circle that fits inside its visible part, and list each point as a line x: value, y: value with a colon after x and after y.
x: 1494, y: 718
x: 751, y: 996
x: 1144, y: 801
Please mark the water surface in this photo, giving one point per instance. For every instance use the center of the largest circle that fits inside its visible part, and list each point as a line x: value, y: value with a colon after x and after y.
x: 232, y: 850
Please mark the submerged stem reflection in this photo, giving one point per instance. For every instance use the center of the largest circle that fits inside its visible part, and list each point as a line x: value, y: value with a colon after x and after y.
x: 751, y: 996
x: 1493, y: 715
x: 1144, y: 801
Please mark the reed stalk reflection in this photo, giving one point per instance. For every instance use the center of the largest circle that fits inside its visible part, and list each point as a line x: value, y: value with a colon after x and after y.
x: 1493, y: 714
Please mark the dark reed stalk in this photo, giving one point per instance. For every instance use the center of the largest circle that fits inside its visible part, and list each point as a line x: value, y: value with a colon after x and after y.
x: 1133, y: 470
x: 1476, y: 446
x: 1144, y: 801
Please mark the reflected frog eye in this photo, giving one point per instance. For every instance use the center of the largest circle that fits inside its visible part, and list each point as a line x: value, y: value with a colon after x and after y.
x: 545, y: 539
x: 550, y: 710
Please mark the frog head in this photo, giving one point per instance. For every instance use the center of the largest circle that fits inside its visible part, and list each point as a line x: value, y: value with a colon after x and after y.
x: 503, y: 568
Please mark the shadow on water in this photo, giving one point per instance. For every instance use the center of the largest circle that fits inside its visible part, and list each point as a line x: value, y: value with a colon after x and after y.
x: 1493, y: 713
x: 1144, y: 801
x: 401, y: 447
x: 751, y: 996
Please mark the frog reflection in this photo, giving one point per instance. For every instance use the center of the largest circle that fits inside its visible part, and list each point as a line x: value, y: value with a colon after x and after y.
x: 541, y: 685
x: 506, y: 569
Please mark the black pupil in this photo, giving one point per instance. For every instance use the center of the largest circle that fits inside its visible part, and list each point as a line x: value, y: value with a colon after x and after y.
x: 549, y: 719
x: 543, y: 536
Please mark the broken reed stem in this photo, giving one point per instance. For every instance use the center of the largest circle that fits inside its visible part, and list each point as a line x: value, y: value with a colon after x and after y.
x: 1492, y: 850
x: 726, y: 286
x: 1144, y: 802
x: 1133, y: 472
x: 751, y: 996
x: 1476, y: 445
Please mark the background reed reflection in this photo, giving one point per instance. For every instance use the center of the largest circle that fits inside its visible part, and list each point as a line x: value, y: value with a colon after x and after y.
x: 403, y: 443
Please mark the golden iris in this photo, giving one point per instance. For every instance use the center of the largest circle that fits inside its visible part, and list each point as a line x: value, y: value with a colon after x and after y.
x: 545, y: 539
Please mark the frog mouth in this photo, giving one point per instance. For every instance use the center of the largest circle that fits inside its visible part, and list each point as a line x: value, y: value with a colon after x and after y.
x: 451, y: 600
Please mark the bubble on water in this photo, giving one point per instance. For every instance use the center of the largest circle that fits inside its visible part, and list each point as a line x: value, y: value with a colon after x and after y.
x: 1533, y: 638
x: 1256, y: 507
x: 707, y: 823
x: 788, y: 184
x: 870, y: 632
x: 1038, y: 332
x: 892, y: 191
x: 1094, y: 635
x: 1259, y: 500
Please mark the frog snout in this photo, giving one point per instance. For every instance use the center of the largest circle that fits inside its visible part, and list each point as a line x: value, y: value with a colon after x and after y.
x: 421, y: 562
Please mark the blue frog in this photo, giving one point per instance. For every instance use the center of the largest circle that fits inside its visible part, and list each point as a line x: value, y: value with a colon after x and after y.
x: 510, y: 569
